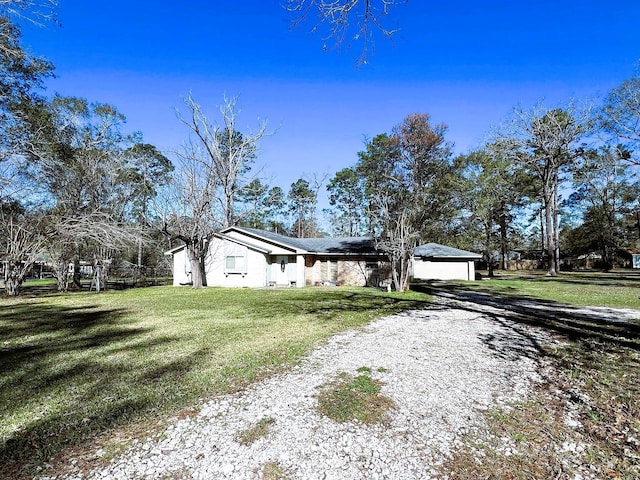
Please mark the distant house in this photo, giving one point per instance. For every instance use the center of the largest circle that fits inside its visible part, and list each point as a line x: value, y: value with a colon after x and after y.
x: 247, y: 257
x: 433, y: 261
x: 634, y: 253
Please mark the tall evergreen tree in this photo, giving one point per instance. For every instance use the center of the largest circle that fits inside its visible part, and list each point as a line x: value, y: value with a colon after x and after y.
x: 302, y: 207
x: 346, y: 196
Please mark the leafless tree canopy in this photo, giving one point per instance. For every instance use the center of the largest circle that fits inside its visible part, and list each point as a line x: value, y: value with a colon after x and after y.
x: 213, y: 164
x: 37, y: 12
x: 346, y: 21
x: 621, y: 113
x: 222, y: 151
x: 22, y: 245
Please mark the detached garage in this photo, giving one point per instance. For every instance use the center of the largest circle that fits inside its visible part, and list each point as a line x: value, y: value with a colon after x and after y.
x: 433, y: 261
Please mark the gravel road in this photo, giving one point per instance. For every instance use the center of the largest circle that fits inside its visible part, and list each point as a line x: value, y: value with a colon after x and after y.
x: 441, y: 367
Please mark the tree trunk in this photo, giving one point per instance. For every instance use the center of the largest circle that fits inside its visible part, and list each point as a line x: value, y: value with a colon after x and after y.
x: 556, y: 226
x: 62, y: 275
x: 487, y: 254
x: 542, y: 231
x: 196, y: 267
x: 140, y: 256
x: 396, y: 279
x: 504, y: 241
x: 549, y: 213
x: 97, y: 277
x: 404, y: 278
x: 13, y: 281
x: 76, y: 273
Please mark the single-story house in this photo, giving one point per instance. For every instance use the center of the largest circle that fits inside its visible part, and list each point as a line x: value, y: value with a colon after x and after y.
x: 433, y: 261
x: 248, y: 257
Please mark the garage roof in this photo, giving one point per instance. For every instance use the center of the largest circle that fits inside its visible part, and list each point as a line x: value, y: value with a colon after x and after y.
x: 435, y: 250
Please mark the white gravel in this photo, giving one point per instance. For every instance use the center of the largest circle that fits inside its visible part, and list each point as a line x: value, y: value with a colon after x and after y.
x: 441, y: 367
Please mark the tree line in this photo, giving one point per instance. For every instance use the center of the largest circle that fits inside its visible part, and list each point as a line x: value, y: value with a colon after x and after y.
x: 74, y: 186
x: 549, y: 179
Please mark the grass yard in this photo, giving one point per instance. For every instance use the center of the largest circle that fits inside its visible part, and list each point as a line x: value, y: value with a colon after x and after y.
x: 618, y: 289
x: 81, y: 370
x: 76, y: 367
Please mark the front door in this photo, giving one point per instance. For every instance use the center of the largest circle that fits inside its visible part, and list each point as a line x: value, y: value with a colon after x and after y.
x: 281, y: 266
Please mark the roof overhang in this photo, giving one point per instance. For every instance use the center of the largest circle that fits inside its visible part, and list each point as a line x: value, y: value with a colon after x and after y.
x: 225, y: 238
x: 264, y: 238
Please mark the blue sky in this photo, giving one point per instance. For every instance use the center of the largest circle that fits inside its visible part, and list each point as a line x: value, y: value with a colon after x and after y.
x: 467, y: 64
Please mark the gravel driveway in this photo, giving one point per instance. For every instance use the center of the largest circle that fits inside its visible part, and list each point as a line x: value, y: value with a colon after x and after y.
x: 441, y: 367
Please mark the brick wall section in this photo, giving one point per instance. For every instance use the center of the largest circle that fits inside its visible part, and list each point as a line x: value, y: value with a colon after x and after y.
x: 349, y: 272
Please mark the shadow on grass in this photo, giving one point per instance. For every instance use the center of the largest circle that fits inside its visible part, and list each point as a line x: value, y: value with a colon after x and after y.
x: 330, y: 304
x: 68, y: 374
x: 576, y: 323
x: 61, y: 381
x: 605, y: 279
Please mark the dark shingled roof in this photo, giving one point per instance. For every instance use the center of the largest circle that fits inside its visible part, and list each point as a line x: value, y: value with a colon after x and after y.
x: 340, y: 245
x: 332, y: 245
x: 435, y: 250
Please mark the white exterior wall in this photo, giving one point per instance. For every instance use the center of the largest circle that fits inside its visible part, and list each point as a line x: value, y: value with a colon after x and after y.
x: 217, y: 276
x: 300, y: 271
x: 450, y: 270
x: 255, y: 276
x: 181, y: 268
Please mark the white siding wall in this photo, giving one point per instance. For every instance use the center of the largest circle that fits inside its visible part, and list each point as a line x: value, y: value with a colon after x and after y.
x: 300, y: 270
x: 217, y: 275
x: 181, y: 268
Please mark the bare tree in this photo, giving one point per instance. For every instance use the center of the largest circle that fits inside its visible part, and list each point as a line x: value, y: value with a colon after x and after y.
x: 225, y: 153
x: 189, y: 213
x: 37, y: 12
x: 32, y: 10
x: 75, y: 155
x: 207, y: 184
x: 406, y: 178
x: 98, y: 234
x: 401, y: 237
x: 545, y: 142
x: 23, y: 245
x: 346, y: 20
x: 621, y: 114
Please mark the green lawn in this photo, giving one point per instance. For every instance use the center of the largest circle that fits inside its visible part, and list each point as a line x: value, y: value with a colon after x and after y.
x: 83, y: 367
x: 621, y: 289
x: 79, y: 365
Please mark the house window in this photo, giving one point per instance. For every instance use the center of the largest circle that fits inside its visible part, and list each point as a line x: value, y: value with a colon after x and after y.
x: 328, y: 270
x: 232, y: 261
x: 235, y: 260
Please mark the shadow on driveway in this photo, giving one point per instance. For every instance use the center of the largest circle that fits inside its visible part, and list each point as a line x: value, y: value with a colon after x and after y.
x: 577, y: 323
